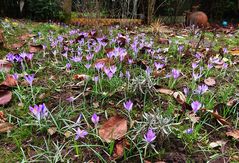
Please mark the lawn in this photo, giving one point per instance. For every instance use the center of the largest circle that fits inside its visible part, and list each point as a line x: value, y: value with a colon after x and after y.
x: 114, y: 93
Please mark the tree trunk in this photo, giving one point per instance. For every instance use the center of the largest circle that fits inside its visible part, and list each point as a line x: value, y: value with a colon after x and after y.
x: 150, y: 11
x: 67, y: 5
x: 135, y: 8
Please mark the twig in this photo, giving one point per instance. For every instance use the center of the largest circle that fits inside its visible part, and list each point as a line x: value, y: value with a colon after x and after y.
x: 201, y: 39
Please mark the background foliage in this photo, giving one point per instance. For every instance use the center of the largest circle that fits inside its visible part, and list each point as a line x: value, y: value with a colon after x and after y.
x: 51, y: 9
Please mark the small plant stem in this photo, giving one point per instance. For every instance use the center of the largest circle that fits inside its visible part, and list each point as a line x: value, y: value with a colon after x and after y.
x: 33, y: 97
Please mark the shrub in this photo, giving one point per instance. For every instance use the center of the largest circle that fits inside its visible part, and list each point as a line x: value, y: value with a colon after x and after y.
x: 44, y: 9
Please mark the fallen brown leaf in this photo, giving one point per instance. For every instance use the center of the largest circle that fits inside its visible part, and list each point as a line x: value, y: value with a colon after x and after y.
x: 5, y: 97
x: 26, y: 36
x: 217, y: 144
x: 180, y: 97
x: 234, y: 52
x: 2, y: 118
x: 5, y: 66
x: 113, y: 129
x: 35, y: 48
x: 234, y: 134
x: 17, y: 45
x: 81, y: 77
x: 51, y: 130
x: 220, y: 119
x: 210, y: 81
x: 1, y: 39
x: 119, y: 150
x: 163, y: 41
x: 193, y: 118
x: 5, y: 127
x: 232, y: 102
x: 106, y: 61
x: 9, y: 81
x: 164, y: 91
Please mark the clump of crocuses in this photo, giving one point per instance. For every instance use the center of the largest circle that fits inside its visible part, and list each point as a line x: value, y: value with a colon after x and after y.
x: 39, y: 111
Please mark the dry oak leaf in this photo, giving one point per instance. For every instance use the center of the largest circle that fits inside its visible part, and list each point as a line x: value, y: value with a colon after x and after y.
x: 105, y: 61
x: 5, y: 127
x: 220, y: 119
x: 9, y: 81
x: 5, y: 66
x: 234, y: 134
x: 81, y: 77
x: 52, y: 130
x: 180, y: 97
x: 2, y: 118
x: 26, y: 36
x: 119, y: 148
x: 234, y: 52
x: 232, y: 102
x: 17, y: 45
x: 35, y: 48
x: 210, y: 81
x: 5, y: 97
x: 164, y: 91
x: 218, y: 143
x: 113, y: 129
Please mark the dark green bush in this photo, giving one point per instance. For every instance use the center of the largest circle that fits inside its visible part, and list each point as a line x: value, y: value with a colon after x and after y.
x: 44, y: 9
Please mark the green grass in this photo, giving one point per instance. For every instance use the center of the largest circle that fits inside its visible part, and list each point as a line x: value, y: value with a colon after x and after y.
x: 32, y: 141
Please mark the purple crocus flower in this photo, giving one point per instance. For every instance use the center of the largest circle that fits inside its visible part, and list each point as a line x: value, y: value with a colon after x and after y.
x: 23, y: 55
x: 39, y: 112
x: 36, y: 111
x: 196, y: 105
x: 65, y: 54
x: 194, y: 65
x: 158, y: 65
x: 70, y: 99
x: 225, y: 65
x: 108, y: 72
x: 18, y: 58
x: 96, y: 79
x: 150, y: 136
x: 225, y: 51
x: 76, y: 58
x: 189, y: 131
x: 127, y: 74
x: 175, y: 73
x: 15, y: 76
x: 128, y: 105
x: 89, y: 57
x: 10, y: 57
x: 29, y: 78
x: 148, y: 71
x: 198, y: 55
x: 180, y: 48
x: 121, y: 75
x: 196, y: 76
x: 68, y: 66
x: 29, y: 56
x: 209, y: 66
x: 99, y: 65
x: 87, y: 66
x: 95, y: 118
x: 44, y: 110
x: 130, y: 61
x: 113, y: 69
x: 186, y: 90
x: 201, y: 89
x: 80, y: 134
